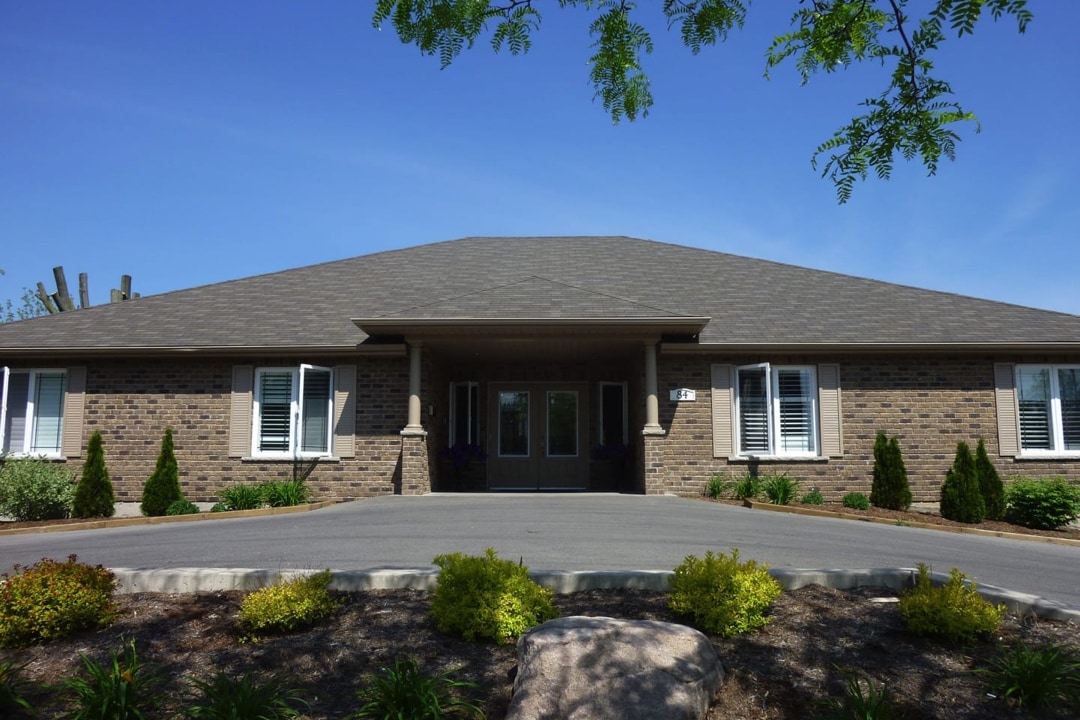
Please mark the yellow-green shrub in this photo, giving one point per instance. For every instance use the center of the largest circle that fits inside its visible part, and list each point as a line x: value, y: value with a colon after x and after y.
x: 722, y: 596
x: 52, y: 599
x: 484, y: 597
x: 954, y: 611
x: 288, y: 605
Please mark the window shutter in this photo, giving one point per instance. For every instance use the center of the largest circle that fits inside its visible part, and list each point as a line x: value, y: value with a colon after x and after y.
x: 240, y: 410
x: 344, y: 411
x: 832, y: 428
x: 722, y: 411
x: 1008, y: 418
x: 74, y: 403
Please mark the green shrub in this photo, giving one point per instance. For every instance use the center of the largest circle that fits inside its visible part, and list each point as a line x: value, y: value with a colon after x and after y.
x: 813, y: 497
x: 1043, y: 504
x: 990, y: 487
x: 220, y: 507
x: 890, y: 485
x: 284, y: 494
x: 94, y: 492
x: 863, y: 700
x: 405, y: 691
x: 718, y: 486
x: 484, y: 597
x: 747, y: 487
x: 241, y: 497
x: 288, y: 605
x: 856, y: 501
x: 35, y: 489
x: 13, y: 692
x: 960, y: 497
x: 228, y: 698
x: 1036, y: 678
x: 162, y: 488
x: 780, y: 489
x: 953, y: 611
x: 722, y: 596
x: 182, y: 507
x: 119, y: 690
x: 51, y: 600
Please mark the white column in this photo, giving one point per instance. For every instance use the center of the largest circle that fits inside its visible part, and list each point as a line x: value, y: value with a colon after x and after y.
x: 414, y: 425
x: 652, y: 404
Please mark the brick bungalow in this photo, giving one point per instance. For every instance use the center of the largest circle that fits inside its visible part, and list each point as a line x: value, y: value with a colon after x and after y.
x: 606, y: 364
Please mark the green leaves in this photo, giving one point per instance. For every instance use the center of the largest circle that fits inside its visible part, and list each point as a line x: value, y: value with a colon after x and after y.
x: 914, y: 117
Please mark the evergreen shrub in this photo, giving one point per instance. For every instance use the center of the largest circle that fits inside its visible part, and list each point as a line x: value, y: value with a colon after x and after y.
x: 855, y: 501
x: 1042, y: 503
x: 51, y: 600
x: 162, y: 488
x: 35, y: 489
x: 961, y: 499
x: 890, y: 484
x: 990, y: 486
x: 94, y: 492
x: 480, y: 597
x: 953, y: 611
x: 721, y: 595
x: 182, y: 507
x: 814, y: 497
x: 288, y: 605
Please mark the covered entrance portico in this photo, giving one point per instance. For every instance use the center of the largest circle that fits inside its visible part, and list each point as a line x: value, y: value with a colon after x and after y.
x: 529, y: 404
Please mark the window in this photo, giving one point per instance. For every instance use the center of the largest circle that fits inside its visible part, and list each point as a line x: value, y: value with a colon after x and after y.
x: 33, y: 412
x: 613, y: 415
x: 776, y: 410
x: 294, y: 408
x: 1048, y: 404
x: 464, y: 413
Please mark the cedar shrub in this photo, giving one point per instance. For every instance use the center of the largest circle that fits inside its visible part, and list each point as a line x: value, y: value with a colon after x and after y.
x: 162, y: 488
x: 94, y: 491
x: 990, y: 486
x: 960, y: 496
x: 890, y: 485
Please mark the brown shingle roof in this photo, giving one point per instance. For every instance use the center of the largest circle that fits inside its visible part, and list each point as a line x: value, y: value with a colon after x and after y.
x: 750, y: 301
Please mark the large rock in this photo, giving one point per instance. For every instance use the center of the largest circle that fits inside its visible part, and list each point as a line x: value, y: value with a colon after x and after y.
x: 598, y: 668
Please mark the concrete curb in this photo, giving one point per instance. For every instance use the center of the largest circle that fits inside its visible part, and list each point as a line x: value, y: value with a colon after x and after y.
x: 793, y: 510
x: 191, y: 580
x: 166, y: 519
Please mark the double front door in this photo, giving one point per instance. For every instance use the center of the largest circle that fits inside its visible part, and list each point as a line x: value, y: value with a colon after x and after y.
x: 538, y: 436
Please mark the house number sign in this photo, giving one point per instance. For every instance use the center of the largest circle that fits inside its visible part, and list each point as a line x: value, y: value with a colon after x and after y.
x: 683, y: 395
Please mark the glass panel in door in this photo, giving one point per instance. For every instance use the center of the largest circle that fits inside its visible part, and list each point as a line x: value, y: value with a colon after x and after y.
x: 562, y: 423
x: 514, y: 424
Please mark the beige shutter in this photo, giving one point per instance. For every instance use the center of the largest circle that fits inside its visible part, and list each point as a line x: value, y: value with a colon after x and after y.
x: 345, y: 411
x: 74, y: 403
x: 832, y: 428
x: 240, y: 409
x: 1008, y: 414
x: 723, y: 404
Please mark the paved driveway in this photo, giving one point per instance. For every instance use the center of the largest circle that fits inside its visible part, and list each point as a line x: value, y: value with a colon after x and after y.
x: 555, y: 532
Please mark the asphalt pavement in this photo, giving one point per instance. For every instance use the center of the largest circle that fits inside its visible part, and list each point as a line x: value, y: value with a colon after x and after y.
x: 566, y: 532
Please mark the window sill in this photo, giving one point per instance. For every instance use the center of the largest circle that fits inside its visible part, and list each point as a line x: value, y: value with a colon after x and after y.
x: 1047, y: 456
x: 778, y: 458
x: 289, y: 460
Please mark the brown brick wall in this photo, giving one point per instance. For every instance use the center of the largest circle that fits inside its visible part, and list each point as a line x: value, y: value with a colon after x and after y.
x: 132, y: 402
x: 930, y: 403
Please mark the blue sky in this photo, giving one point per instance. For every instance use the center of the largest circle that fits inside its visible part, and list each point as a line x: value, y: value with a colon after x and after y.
x: 187, y: 143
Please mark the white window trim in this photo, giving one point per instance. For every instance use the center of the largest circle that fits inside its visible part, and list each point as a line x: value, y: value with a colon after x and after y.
x: 469, y: 384
x: 772, y: 401
x: 31, y: 415
x: 577, y: 424
x: 1057, y: 426
x: 528, y: 423
x: 296, y: 406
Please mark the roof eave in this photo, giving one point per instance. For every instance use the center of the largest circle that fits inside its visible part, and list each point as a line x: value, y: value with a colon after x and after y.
x: 872, y: 347
x: 659, y: 325
x: 376, y: 349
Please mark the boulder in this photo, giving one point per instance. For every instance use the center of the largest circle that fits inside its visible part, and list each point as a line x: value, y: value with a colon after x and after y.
x: 598, y: 668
